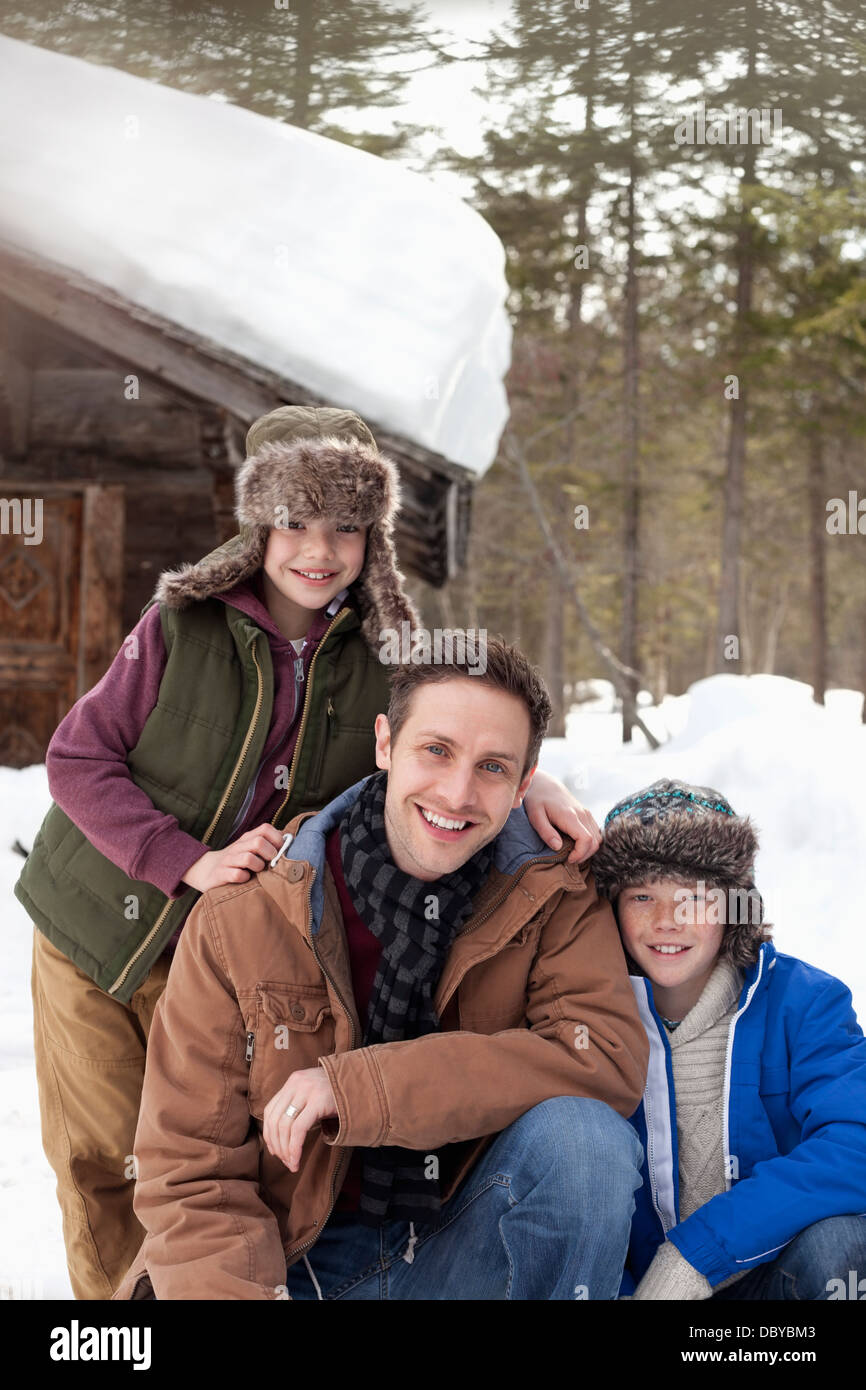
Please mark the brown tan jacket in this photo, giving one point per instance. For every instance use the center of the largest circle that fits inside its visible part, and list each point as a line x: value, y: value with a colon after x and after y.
x: 534, y: 1002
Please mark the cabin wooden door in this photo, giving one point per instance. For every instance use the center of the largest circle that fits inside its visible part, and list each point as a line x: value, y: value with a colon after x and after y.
x: 61, y: 590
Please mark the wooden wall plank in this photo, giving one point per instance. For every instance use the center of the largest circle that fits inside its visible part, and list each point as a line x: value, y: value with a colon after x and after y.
x: 102, y: 573
x: 88, y: 408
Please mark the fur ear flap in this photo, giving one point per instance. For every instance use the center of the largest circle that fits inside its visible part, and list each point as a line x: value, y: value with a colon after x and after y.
x: 383, y: 602
x: 237, y: 559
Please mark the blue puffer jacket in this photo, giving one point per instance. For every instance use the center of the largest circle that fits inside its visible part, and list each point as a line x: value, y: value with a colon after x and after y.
x: 794, y: 1123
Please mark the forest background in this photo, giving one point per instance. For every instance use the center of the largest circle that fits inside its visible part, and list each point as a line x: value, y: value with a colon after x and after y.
x: 687, y: 387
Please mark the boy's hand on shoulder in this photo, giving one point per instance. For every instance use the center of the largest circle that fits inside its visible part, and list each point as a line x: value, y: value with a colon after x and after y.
x: 551, y: 808
x: 309, y: 1094
x: 234, y: 864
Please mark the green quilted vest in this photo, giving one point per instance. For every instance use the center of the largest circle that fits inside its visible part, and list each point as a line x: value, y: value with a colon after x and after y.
x: 196, y: 758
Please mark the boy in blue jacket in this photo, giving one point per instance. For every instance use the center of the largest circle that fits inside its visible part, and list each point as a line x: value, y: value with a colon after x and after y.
x: 753, y: 1120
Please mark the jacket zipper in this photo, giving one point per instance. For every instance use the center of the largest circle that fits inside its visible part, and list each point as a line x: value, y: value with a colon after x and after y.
x: 260, y: 692
x: 299, y: 676
x: 306, y: 710
x: 251, y: 1042
x: 331, y: 726
x: 651, y: 1168
x: 346, y: 1157
x: 650, y: 1155
x: 726, y: 1092
x: 488, y: 912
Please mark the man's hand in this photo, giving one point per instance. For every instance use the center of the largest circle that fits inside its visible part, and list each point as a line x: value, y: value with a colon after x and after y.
x: 310, y: 1093
x: 551, y: 807
x: 237, y: 861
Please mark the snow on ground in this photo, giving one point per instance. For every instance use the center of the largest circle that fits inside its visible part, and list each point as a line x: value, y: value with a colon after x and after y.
x: 32, y: 1262
x: 349, y: 274
x: 796, y: 769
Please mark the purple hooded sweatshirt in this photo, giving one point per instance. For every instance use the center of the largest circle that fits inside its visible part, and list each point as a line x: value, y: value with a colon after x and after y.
x: 88, y: 775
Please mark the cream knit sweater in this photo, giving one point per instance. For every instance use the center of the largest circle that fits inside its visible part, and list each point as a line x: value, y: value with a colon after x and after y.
x: 698, y: 1050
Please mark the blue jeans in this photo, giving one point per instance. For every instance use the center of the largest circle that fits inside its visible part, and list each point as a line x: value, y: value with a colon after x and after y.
x: 829, y: 1250
x: 544, y: 1214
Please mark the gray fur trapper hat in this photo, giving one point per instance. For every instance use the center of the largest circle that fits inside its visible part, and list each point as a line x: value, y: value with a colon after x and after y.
x: 672, y: 830
x: 313, y: 461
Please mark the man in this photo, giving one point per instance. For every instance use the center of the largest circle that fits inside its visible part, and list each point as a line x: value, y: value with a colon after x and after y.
x: 399, y: 1062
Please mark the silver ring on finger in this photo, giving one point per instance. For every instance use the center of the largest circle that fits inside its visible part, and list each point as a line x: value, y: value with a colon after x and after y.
x: 292, y: 1111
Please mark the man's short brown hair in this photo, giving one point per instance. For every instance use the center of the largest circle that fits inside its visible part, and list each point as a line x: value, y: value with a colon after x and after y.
x: 507, y: 669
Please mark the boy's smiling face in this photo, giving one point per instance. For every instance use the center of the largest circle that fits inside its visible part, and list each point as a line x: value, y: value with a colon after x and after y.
x: 670, y: 940
x: 306, y: 564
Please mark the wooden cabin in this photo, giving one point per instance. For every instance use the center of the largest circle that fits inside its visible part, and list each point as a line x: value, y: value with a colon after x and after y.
x: 119, y: 434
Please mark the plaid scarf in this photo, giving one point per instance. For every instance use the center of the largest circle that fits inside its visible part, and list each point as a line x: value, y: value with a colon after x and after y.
x: 416, y: 922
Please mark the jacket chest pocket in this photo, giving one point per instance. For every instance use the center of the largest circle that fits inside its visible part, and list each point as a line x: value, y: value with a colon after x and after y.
x: 289, y: 1028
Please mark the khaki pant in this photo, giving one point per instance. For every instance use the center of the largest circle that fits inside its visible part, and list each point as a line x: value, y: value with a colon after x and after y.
x: 90, y: 1053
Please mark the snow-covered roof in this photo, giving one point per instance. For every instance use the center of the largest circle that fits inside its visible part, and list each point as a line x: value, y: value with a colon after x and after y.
x: 345, y: 273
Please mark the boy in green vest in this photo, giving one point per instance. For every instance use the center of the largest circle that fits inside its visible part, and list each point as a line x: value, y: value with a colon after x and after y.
x: 246, y: 693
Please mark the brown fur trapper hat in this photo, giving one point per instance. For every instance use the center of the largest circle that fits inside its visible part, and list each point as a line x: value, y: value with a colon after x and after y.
x: 672, y: 830
x: 303, y: 462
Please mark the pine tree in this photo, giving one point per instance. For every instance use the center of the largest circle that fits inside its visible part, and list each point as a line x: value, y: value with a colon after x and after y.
x: 307, y: 62
x: 539, y: 184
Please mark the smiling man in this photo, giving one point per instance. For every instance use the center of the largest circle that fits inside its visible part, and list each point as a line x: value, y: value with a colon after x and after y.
x: 398, y: 1062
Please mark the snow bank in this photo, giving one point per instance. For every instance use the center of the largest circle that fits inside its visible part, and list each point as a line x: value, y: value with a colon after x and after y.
x: 796, y: 768
x: 354, y: 277
x: 32, y: 1259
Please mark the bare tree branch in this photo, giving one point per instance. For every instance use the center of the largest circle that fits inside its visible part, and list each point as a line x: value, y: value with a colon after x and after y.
x: 619, y: 673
